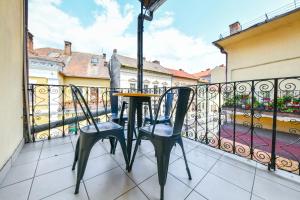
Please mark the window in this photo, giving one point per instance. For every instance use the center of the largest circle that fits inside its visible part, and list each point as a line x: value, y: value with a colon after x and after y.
x: 155, y: 87
x: 94, y: 60
x: 146, y: 88
x: 132, y: 86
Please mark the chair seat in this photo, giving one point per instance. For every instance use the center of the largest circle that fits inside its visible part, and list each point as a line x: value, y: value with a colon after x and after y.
x: 105, y: 126
x: 160, y: 119
x: 161, y: 130
x: 116, y: 117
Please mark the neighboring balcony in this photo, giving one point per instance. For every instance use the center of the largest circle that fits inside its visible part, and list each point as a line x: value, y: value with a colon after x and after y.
x: 242, y: 141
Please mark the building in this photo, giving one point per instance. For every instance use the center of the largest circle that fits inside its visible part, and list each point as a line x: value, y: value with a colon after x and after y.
x: 268, y: 49
x: 182, y: 78
x: 204, y: 76
x: 63, y: 66
x: 155, y: 75
x: 218, y: 74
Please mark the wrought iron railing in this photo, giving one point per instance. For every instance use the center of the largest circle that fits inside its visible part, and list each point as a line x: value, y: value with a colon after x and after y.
x: 256, y: 119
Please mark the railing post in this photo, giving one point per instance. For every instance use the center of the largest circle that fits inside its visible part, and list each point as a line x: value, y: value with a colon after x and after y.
x: 63, y: 109
x: 206, y: 113
x: 32, y: 112
x: 234, y: 116
x: 105, y: 102
x: 97, y: 104
x: 196, y: 113
x: 219, y: 112
x: 272, y: 165
x: 49, y: 112
x: 252, y: 118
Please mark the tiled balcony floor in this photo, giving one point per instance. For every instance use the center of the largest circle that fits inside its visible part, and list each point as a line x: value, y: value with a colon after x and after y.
x: 43, y: 171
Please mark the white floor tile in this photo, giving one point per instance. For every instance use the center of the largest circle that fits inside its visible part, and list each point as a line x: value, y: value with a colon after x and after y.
x: 19, y: 173
x: 68, y: 194
x: 195, y: 196
x: 109, y: 185
x: 54, y: 163
x: 27, y: 157
x: 133, y: 194
x: 201, y: 160
x: 215, y: 188
x: 56, y: 150
x: 174, y: 189
x: 178, y: 169
x: 234, y: 175
x: 99, y: 165
x: 268, y: 189
x: 51, y: 183
x: 142, y: 169
x: 17, y: 191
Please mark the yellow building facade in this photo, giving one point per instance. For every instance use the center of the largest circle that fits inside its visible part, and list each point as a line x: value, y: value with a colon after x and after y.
x: 266, y: 50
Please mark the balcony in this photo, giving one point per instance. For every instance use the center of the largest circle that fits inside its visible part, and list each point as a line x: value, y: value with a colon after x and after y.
x: 43, y: 171
x: 241, y: 139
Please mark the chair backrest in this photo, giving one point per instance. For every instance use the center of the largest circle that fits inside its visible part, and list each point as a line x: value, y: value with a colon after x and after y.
x: 168, y: 103
x: 183, y: 103
x: 113, y: 101
x: 80, y: 104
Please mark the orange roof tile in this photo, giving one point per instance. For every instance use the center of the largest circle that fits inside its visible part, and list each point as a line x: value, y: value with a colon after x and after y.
x: 77, y: 65
x: 181, y: 73
x: 201, y: 74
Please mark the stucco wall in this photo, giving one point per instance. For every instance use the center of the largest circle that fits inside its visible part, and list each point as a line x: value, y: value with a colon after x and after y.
x: 178, y: 81
x: 87, y: 82
x: 150, y: 78
x: 218, y: 75
x: 11, y: 64
x: 271, y: 50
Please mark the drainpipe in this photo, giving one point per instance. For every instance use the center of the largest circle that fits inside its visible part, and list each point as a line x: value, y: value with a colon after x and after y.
x: 226, y: 54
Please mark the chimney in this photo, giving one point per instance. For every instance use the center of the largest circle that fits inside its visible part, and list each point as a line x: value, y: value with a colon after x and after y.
x: 68, y: 50
x: 105, y: 63
x: 156, y: 62
x: 115, y: 51
x: 30, y: 42
x: 104, y: 56
x: 235, y: 28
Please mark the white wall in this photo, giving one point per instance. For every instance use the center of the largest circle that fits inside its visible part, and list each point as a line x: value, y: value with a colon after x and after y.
x: 128, y: 74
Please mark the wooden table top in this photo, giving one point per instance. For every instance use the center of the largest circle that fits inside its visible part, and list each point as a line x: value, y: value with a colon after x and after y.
x: 136, y: 95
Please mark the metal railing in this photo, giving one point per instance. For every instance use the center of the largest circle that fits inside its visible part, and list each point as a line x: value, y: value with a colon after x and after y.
x: 256, y: 119
x: 267, y: 16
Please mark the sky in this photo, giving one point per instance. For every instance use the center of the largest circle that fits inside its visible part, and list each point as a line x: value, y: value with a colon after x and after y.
x: 180, y: 35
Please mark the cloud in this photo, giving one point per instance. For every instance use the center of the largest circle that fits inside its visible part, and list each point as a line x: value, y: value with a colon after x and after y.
x: 110, y: 29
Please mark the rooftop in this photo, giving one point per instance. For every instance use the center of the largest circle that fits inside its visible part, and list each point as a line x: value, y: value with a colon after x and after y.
x: 78, y: 64
x: 154, y: 66
x: 181, y: 73
x: 268, y: 18
x: 202, y: 74
x: 43, y: 171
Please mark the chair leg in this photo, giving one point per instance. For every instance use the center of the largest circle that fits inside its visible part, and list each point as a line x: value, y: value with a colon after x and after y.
x: 184, y: 156
x: 121, y: 139
x: 84, y: 152
x: 112, y: 145
x: 138, y: 141
x: 162, y: 151
x: 76, y: 154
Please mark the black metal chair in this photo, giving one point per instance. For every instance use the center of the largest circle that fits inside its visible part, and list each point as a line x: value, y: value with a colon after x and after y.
x: 166, y: 118
x: 164, y: 136
x: 91, y: 134
x: 114, y: 105
x: 115, y: 116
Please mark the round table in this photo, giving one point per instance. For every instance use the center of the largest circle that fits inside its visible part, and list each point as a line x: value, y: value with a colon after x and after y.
x: 136, y: 101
